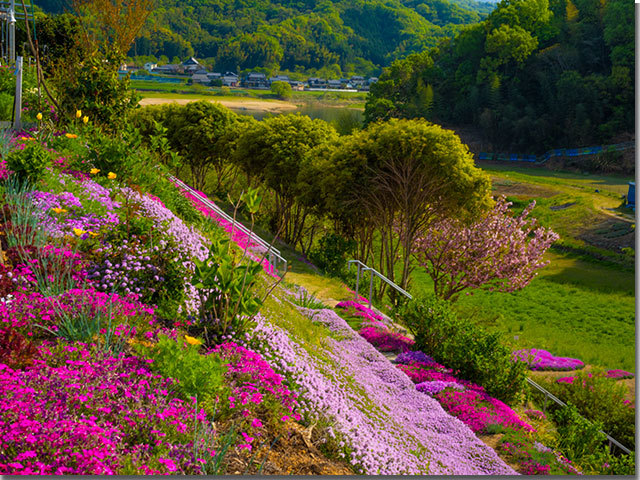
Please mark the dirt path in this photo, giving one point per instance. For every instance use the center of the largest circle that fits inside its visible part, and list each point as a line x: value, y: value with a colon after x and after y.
x: 271, y: 106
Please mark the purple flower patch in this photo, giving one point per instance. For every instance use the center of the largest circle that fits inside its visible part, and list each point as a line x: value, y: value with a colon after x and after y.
x: 543, y: 360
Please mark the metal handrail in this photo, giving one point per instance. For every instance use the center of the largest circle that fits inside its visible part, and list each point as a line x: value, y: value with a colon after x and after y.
x: 562, y: 404
x: 364, y: 268
x: 274, y: 253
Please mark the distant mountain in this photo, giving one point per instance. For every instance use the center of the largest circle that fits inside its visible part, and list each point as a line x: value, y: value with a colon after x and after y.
x: 328, y: 36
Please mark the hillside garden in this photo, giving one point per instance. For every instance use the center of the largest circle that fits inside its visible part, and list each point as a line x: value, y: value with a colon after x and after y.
x: 143, y: 333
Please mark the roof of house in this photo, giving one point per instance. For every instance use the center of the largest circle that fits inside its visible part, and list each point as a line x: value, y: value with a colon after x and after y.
x: 191, y: 61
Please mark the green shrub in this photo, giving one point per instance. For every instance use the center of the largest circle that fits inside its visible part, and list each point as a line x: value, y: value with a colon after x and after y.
x: 577, y: 437
x: 475, y: 353
x: 600, y: 399
x: 331, y: 254
x: 200, y: 376
x: 29, y: 163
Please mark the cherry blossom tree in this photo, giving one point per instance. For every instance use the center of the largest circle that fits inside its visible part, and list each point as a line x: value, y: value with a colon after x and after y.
x: 500, y: 252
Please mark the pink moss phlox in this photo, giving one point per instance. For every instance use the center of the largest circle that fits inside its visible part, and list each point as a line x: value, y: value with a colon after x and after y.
x: 618, y: 374
x: 568, y: 380
x: 386, y: 341
x: 478, y: 410
x: 542, y: 360
x: 75, y: 413
x: 252, y: 380
x: 27, y: 309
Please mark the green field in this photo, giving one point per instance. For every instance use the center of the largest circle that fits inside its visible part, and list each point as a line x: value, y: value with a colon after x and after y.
x: 151, y: 89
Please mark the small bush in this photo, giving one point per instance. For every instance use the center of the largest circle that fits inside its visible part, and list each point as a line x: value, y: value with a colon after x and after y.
x: 476, y: 354
x: 200, y: 376
x: 29, y: 163
x: 600, y: 399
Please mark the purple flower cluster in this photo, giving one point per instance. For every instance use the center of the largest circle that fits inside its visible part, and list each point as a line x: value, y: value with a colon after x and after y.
x: 189, y: 240
x: 91, y: 212
x: 543, y: 360
x: 126, y: 268
x: 618, y: 374
x: 384, y: 424
x: 434, y: 387
x: 406, y: 358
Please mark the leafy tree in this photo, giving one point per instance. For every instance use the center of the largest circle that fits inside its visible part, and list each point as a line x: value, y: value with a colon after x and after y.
x: 403, y: 175
x: 197, y: 131
x: 274, y: 151
x: 281, y: 89
x: 498, y: 252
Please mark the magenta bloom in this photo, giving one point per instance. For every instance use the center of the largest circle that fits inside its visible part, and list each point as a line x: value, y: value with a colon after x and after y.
x: 543, y: 360
x: 386, y: 341
x: 618, y: 374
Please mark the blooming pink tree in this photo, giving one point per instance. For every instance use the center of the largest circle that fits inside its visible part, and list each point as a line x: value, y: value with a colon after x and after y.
x: 499, y: 252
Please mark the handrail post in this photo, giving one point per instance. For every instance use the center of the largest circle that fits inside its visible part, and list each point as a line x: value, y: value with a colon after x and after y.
x: 370, y: 288
x: 357, y: 280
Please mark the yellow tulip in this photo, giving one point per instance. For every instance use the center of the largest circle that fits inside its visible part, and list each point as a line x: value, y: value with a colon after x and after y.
x: 71, y: 135
x: 39, y: 116
x: 78, y: 113
x: 111, y: 176
x: 192, y: 341
x: 93, y: 171
x: 85, y: 119
x: 79, y: 232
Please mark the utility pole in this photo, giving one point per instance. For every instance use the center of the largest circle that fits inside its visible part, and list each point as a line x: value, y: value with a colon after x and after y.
x: 17, y: 107
x: 12, y: 32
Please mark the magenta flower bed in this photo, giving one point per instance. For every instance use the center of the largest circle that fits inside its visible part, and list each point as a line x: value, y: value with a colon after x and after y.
x: 27, y: 309
x: 73, y: 413
x: 619, y: 374
x: 386, y: 341
x: 478, y: 410
x: 358, y: 310
x: 253, y: 380
x: 543, y: 360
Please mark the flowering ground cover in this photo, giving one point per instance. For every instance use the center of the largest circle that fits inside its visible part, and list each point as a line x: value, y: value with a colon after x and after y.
x: 619, y: 374
x: 380, y: 422
x: 542, y: 360
x: 461, y: 398
x: 76, y: 412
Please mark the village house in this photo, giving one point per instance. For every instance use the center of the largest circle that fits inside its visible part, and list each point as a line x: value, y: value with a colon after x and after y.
x: 315, y: 82
x: 255, y: 80
x: 200, y: 76
x: 191, y: 65
x: 150, y: 66
x: 230, y: 79
x: 169, y: 69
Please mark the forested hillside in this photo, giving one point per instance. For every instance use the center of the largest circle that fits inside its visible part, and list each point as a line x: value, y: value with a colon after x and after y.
x: 304, y: 35
x: 536, y: 74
